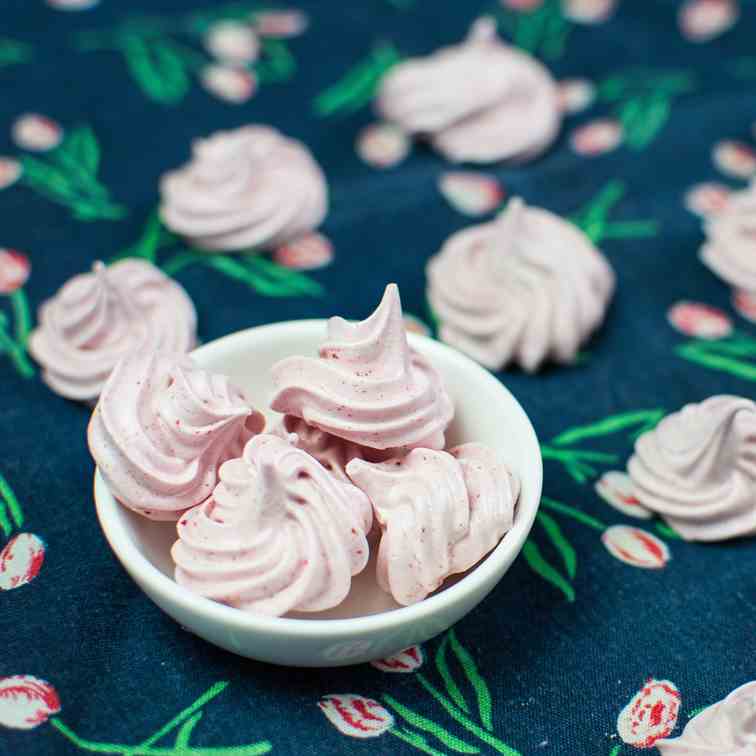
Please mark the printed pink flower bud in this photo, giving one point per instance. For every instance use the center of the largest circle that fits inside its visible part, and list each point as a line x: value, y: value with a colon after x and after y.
x: 707, y: 199
x: 14, y: 270
x: 735, y: 159
x: 471, y: 193
x: 21, y: 560
x: 305, y: 253
x: 356, y: 716
x: 235, y: 85
x: 382, y: 145
x: 575, y: 95
x: 596, y: 137
x: 699, y: 320
x: 405, y: 661
x: 617, y: 490
x: 281, y: 24
x: 36, y: 132
x: 10, y: 172
x: 744, y: 303
x: 702, y: 20
x: 636, y: 547
x: 650, y: 715
x: 232, y: 42
x: 588, y: 11
x: 26, y: 702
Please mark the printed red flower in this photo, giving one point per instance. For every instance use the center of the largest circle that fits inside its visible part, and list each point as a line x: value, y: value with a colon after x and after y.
x: 26, y: 702
x: 471, y: 193
x: 415, y: 325
x: 21, y: 560
x: 404, y: 661
x: 735, y: 159
x: 636, y: 547
x: 35, y: 132
x: 14, y: 270
x: 707, y: 199
x: 306, y: 253
x: 232, y: 43
x: 588, y: 11
x: 356, y: 716
x: 382, y: 145
x: 575, y: 95
x: 699, y: 320
x: 617, y: 490
x: 10, y: 172
x: 235, y: 85
x: 650, y: 715
x: 744, y: 303
x: 702, y: 20
x: 281, y: 24
x: 596, y: 137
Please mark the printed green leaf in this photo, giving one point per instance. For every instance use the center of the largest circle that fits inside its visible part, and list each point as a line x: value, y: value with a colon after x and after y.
x: 723, y: 355
x: 276, y: 63
x: 82, y: 145
x: 184, y: 735
x: 432, y: 728
x: 664, y: 530
x: 443, y: 669
x: 541, y: 567
x: 645, y: 419
x: 158, y: 69
x: 615, y: 751
x: 575, y: 514
x: 13, y: 52
x: 561, y: 544
x: 576, y: 461
x: 5, y: 523
x: 416, y: 740
x: 478, y: 684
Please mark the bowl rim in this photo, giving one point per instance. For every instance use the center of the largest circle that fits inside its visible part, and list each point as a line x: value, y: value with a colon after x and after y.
x: 144, y: 572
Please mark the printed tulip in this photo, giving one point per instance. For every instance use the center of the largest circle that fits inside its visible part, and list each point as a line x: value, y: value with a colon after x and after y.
x: 36, y: 133
x: 26, y: 702
x: 21, y: 560
x: 306, y: 253
x: 636, y: 547
x: 650, y: 715
x: 702, y: 20
x: 744, y: 303
x: 356, y: 716
x: 10, y: 172
x: 735, y: 159
x: 14, y: 270
x: 471, y: 193
x: 281, y: 24
x: 699, y: 320
x: 575, y: 95
x: 596, y: 137
x: 382, y: 145
x: 707, y: 199
x: 405, y: 661
x: 232, y: 43
x: 617, y: 490
x: 234, y: 85
x: 588, y: 11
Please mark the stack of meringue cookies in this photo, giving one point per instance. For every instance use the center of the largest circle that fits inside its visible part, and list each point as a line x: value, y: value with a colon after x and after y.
x: 281, y: 520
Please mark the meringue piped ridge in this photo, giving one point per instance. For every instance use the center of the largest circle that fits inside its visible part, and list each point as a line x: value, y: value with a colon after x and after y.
x: 162, y: 428
x: 279, y: 533
x: 367, y: 386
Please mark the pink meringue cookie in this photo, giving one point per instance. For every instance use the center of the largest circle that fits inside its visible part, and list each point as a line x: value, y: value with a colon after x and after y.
x: 163, y: 427
x: 727, y: 728
x: 697, y: 469
x: 730, y: 248
x: 479, y: 101
x: 368, y: 386
x: 525, y: 288
x: 279, y: 534
x: 251, y: 187
x: 98, y: 317
x: 439, y: 513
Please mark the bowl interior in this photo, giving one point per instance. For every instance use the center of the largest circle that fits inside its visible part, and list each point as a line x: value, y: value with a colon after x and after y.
x: 485, y: 411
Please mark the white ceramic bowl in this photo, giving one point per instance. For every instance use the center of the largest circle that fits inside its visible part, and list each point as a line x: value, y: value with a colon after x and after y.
x: 368, y: 625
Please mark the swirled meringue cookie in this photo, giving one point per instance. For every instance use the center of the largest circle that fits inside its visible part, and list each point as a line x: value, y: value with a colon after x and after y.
x: 697, y: 469
x: 367, y: 386
x: 480, y: 101
x: 730, y: 248
x: 251, y: 187
x: 439, y: 514
x: 526, y: 288
x: 279, y: 534
x: 161, y: 430
x: 727, y: 728
x: 98, y: 317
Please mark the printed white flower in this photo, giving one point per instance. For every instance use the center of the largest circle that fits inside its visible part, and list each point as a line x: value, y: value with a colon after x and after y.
x: 233, y: 43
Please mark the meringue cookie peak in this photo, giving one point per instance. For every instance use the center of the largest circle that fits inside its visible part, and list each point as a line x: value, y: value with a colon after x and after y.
x: 98, y: 317
x: 162, y: 428
x: 247, y: 188
x: 439, y: 513
x: 368, y: 386
x: 279, y: 534
x: 479, y: 101
x: 525, y: 288
x: 697, y: 469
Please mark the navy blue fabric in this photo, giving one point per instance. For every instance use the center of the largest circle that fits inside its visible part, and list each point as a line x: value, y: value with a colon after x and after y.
x: 559, y: 671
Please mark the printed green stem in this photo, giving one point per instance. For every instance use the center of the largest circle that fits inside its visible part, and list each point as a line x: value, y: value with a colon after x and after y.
x: 539, y: 565
x: 5, y: 523
x: 575, y: 461
x: 719, y: 355
x: 628, y: 230
x: 6, y: 492
x: 415, y: 740
x: 615, y: 751
x: 575, y: 514
x: 561, y: 544
x: 664, y: 530
x: 15, y: 351
x: 178, y: 262
x: 21, y: 316
x: 443, y: 669
x: 644, y: 419
x: 479, y: 685
x: 459, y: 716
